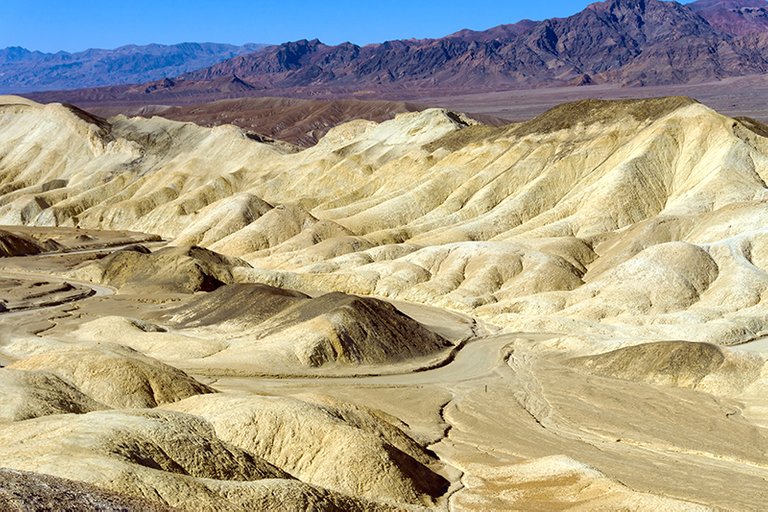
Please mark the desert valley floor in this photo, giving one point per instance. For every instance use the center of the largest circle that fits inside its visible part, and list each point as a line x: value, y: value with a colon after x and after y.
x: 567, y: 313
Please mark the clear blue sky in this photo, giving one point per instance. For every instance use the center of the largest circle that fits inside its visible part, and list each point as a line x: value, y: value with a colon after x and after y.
x: 72, y: 25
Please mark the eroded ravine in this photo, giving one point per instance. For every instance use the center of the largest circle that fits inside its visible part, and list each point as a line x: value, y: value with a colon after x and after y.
x: 500, y: 402
x: 497, y: 412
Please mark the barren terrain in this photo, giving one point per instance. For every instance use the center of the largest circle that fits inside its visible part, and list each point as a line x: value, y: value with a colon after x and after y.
x: 735, y: 97
x: 426, y: 312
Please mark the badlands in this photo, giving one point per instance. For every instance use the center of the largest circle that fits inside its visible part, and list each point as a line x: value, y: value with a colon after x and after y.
x: 568, y: 313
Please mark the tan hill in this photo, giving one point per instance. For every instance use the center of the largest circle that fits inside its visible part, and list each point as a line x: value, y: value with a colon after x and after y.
x: 115, y: 375
x: 173, y: 269
x: 235, y: 452
x: 334, y: 445
x: 591, y: 249
x: 255, y: 329
x: 124, y: 447
x: 183, y: 460
x: 676, y: 363
x: 280, y: 330
x: 23, y: 491
x: 535, y: 225
x: 31, y: 394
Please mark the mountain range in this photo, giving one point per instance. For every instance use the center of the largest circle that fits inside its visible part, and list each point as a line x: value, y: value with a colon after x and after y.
x: 627, y: 42
x: 633, y: 42
x: 24, y: 70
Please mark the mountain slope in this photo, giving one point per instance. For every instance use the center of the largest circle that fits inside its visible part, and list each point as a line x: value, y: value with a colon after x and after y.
x: 735, y: 17
x: 23, y: 70
x: 626, y: 41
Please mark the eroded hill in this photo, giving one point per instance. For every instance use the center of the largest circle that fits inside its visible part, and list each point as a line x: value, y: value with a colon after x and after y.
x: 634, y: 216
x: 542, y: 309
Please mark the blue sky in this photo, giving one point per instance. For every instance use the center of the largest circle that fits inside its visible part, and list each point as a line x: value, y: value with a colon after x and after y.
x: 72, y: 25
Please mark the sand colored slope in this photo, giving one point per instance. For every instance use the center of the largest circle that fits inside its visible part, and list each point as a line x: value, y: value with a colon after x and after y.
x: 169, y: 458
x: 258, y: 329
x: 183, y: 269
x: 332, y: 328
x: 238, y: 453
x: 334, y: 445
x: 115, y: 375
x: 235, y: 452
x: 21, y: 491
x: 635, y: 227
x: 30, y: 394
x: 533, y: 225
x: 684, y: 364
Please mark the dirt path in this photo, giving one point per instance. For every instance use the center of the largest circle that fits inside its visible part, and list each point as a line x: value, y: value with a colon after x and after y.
x: 86, y: 288
x: 477, y: 359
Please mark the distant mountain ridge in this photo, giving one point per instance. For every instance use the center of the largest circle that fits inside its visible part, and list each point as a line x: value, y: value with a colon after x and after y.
x: 627, y: 42
x: 24, y: 70
x: 635, y: 42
